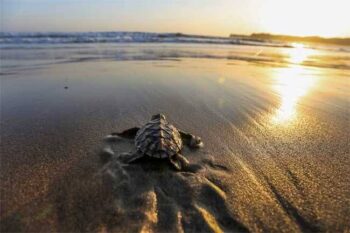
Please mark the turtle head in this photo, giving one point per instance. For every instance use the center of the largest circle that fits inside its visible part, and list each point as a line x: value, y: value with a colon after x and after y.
x: 158, y: 116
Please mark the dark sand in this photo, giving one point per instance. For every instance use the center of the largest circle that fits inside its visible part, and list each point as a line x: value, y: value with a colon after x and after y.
x: 276, y: 155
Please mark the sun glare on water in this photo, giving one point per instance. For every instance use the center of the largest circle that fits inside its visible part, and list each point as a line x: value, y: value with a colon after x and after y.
x: 298, y: 54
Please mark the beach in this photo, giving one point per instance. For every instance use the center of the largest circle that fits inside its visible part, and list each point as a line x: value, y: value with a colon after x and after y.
x: 274, y: 121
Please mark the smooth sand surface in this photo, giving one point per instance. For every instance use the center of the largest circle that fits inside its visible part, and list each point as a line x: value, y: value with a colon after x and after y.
x: 276, y: 155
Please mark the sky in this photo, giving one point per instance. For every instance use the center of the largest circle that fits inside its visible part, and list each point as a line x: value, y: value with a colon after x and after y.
x: 327, y: 18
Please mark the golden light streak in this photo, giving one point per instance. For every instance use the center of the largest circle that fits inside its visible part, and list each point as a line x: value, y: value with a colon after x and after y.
x: 291, y: 84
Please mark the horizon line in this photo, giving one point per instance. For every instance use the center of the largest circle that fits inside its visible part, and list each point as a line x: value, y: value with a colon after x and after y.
x: 188, y: 34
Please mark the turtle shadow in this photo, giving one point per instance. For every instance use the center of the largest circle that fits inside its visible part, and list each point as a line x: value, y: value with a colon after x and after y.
x: 148, y: 195
x: 152, y: 196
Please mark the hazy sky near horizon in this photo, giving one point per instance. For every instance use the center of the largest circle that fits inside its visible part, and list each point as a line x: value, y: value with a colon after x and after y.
x: 329, y: 18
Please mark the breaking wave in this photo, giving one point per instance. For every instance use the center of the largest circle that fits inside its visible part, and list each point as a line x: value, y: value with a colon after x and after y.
x: 125, y: 37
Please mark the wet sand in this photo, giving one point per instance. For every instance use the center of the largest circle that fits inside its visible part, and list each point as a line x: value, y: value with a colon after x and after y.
x: 276, y: 155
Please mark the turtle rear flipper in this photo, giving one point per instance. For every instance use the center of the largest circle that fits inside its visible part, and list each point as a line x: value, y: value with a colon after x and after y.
x: 179, y: 162
x: 129, y: 133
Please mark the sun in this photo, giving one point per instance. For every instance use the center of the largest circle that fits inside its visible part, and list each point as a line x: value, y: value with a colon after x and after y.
x: 305, y: 18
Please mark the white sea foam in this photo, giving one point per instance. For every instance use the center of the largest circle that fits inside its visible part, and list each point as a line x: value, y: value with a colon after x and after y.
x: 123, y: 37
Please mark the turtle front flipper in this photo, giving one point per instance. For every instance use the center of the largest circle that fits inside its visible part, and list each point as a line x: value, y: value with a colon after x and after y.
x: 129, y: 133
x: 191, y: 140
x: 179, y: 162
x: 130, y: 157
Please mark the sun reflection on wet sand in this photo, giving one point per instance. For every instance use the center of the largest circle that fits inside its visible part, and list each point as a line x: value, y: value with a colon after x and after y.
x: 291, y: 84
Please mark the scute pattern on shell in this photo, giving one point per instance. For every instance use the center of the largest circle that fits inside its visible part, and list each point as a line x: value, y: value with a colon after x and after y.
x: 158, y: 139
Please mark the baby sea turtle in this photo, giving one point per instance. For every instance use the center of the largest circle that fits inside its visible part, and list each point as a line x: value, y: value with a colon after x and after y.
x: 159, y: 139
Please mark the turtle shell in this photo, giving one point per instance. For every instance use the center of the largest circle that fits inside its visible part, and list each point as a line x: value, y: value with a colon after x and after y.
x: 158, y: 139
